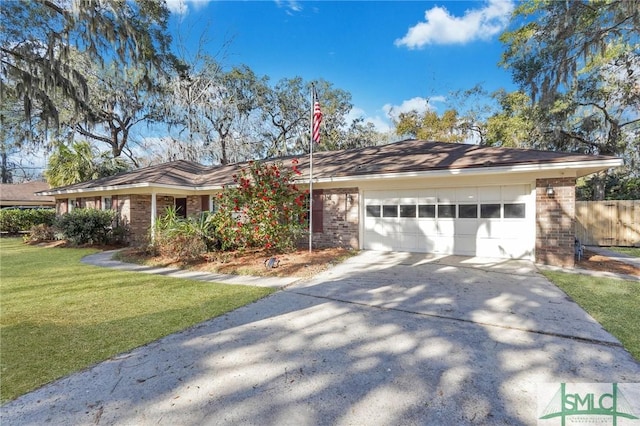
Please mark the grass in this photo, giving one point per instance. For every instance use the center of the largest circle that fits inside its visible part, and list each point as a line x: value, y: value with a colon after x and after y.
x: 58, y: 315
x: 629, y: 251
x: 612, y: 302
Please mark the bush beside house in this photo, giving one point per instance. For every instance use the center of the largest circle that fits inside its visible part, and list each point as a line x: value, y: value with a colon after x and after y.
x: 263, y: 210
x: 14, y: 221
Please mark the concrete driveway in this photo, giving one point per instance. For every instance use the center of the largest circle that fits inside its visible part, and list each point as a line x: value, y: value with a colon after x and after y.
x: 382, y: 339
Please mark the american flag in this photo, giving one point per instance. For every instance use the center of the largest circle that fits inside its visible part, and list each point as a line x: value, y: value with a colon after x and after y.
x: 317, y: 119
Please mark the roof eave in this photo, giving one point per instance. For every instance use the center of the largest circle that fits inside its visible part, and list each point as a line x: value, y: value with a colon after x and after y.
x: 119, y: 188
x: 582, y: 168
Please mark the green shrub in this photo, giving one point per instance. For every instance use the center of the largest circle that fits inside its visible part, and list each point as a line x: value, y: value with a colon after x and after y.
x: 265, y: 209
x: 13, y: 221
x: 184, y: 239
x: 86, y: 226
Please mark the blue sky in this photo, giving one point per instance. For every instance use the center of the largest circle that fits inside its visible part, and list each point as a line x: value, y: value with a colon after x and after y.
x: 391, y: 56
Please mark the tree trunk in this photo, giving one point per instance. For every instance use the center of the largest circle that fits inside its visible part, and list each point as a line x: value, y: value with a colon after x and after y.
x: 598, y: 183
x: 4, y: 171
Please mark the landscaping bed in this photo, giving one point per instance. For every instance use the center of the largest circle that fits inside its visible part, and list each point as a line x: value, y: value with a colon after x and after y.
x: 597, y: 262
x: 300, y: 263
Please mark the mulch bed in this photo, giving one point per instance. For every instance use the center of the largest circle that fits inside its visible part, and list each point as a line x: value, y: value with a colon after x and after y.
x: 299, y: 263
x: 597, y: 262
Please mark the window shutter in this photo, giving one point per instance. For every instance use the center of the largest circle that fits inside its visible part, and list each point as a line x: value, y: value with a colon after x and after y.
x: 318, y: 209
x: 204, y: 203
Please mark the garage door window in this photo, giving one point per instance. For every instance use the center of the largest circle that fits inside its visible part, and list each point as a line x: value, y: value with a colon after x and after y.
x: 490, y: 211
x: 390, y: 211
x: 468, y: 211
x: 373, y: 211
x: 427, y: 210
x: 446, y: 211
x: 514, y: 211
x: 407, y: 210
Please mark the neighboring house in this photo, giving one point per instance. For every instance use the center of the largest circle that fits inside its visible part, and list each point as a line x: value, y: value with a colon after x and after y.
x: 24, y: 195
x: 412, y: 195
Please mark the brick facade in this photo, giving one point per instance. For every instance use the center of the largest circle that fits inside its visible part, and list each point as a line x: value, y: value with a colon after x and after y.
x: 139, y: 216
x: 194, y: 205
x: 339, y: 219
x: 555, y: 222
x: 555, y: 217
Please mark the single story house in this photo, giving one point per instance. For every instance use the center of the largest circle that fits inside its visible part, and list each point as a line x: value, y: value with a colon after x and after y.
x: 412, y: 195
x: 23, y: 195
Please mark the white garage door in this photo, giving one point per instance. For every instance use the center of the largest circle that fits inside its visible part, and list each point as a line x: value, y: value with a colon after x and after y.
x: 486, y: 221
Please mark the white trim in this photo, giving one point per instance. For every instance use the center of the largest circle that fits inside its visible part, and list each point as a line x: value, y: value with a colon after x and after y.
x: 599, y: 165
x: 131, y: 186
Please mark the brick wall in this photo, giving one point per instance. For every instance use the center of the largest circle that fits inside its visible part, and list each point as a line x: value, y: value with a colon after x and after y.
x: 555, y: 222
x: 92, y: 203
x: 140, y: 218
x: 339, y: 219
x: 162, y: 203
x: 194, y: 205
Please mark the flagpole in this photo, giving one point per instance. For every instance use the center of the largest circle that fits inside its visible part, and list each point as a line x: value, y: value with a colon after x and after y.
x: 311, y: 171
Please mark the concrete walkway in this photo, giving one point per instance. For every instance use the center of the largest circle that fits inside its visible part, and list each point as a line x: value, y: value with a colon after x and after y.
x: 381, y: 339
x: 105, y: 259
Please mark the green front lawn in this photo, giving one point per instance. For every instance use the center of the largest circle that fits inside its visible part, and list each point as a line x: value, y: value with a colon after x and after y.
x: 612, y: 302
x: 629, y: 251
x: 58, y: 315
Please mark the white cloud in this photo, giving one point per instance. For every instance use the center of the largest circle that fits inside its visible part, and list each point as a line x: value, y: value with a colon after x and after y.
x: 440, y: 27
x: 182, y: 7
x: 381, y: 124
x: 414, y: 104
x: 290, y: 5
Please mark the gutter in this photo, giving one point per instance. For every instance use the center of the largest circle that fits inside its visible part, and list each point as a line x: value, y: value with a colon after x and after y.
x: 480, y: 171
x: 471, y: 171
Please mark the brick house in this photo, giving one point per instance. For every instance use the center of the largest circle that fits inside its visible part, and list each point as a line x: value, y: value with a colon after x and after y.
x: 411, y: 195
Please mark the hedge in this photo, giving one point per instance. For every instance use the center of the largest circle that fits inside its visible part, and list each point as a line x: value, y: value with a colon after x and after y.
x: 13, y: 221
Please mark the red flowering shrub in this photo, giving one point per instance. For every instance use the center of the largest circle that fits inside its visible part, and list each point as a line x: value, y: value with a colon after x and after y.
x: 264, y: 210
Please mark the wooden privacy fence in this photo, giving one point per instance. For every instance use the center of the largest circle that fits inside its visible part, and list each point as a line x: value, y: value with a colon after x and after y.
x: 608, y: 223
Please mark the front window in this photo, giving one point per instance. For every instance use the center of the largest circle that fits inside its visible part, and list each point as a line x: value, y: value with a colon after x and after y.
x: 107, y: 203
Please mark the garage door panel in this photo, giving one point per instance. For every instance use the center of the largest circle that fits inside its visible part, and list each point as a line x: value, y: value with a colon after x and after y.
x: 511, y: 228
x: 466, y: 227
x: 465, y: 245
x: 446, y: 196
x: 490, y: 236
x: 467, y: 195
x: 489, y: 229
x: 445, y: 227
x: 409, y: 225
x: 428, y: 227
x: 443, y: 245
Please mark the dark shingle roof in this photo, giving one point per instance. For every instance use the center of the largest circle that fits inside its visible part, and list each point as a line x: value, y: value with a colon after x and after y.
x: 16, y: 193
x: 418, y: 155
x: 398, y: 157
